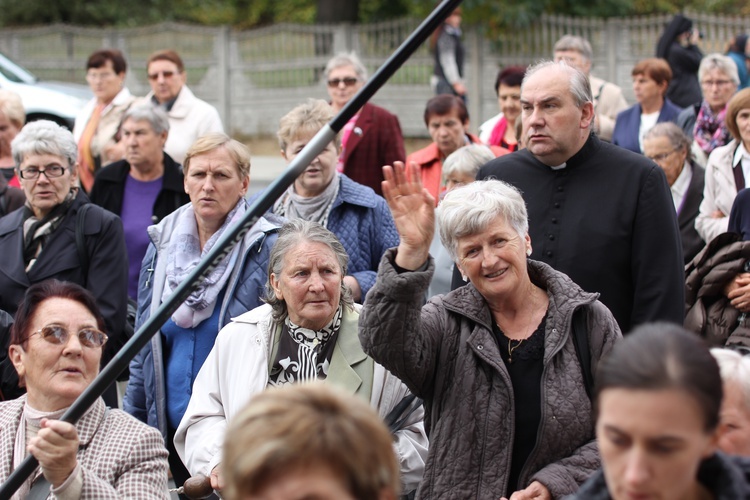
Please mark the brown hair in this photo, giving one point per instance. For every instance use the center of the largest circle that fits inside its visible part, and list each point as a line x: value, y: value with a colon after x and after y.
x: 442, y: 105
x: 166, y: 55
x: 738, y: 102
x: 656, y: 69
x: 99, y: 59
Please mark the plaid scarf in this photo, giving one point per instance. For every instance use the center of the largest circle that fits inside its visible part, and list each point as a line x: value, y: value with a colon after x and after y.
x: 37, y: 231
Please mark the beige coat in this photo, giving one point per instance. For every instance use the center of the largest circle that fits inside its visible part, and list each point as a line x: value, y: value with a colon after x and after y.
x: 109, y: 124
x: 608, y: 101
x: 718, y: 193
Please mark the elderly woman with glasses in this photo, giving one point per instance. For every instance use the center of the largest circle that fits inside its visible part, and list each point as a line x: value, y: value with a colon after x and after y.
x: 56, y: 346
x: 59, y: 234
x: 372, y: 137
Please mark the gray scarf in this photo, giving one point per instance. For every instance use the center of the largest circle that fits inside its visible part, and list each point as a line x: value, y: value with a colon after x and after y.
x: 315, y: 209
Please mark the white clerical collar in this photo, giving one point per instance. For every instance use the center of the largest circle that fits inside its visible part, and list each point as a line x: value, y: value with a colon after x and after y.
x: 560, y: 167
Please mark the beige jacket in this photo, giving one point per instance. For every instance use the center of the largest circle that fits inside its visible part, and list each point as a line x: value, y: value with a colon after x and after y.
x: 109, y: 124
x: 719, y: 193
x: 608, y: 101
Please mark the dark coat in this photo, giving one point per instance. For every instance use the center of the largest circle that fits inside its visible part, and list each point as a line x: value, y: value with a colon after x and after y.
x: 725, y: 477
x: 106, y: 277
x: 376, y: 140
x: 11, y: 198
x: 739, y: 217
x: 109, y: 188
x: 684, y: 88
x: 629, y: 123
x: 692, y: 243
x: 607, y: 220
x: 447, y: 354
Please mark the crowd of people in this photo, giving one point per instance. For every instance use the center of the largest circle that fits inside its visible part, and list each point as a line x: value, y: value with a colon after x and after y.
x: 554, y: 307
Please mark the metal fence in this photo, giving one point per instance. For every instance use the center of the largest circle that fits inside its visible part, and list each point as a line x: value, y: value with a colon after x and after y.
x: 253, y: 77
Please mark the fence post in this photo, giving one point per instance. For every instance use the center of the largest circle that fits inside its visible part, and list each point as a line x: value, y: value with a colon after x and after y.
x: 612, y: 42
x: 223, y: 77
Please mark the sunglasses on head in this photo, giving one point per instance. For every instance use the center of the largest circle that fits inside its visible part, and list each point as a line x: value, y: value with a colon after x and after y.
x: 348, y: 81
x: 59, y: 335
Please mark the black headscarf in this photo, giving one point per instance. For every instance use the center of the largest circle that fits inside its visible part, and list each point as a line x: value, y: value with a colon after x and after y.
x: 679, y: 25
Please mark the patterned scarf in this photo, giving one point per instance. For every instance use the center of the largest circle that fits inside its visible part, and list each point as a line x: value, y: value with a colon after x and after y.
x: 36, y: 232
x: 184, y: 253
x: 304, y: 354
x: 710, y: 130
x: 315, y: 209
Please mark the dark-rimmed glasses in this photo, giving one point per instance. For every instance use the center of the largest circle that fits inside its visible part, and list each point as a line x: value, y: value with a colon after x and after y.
x: 59, y: 335
x: 51, y: 171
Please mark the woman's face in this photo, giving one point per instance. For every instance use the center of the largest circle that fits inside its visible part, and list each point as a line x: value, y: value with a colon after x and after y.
x: 652, y: 443
x: 309, y: 284
x: 214, y: 185
x: 509, y: 99
x: 105, y: 83
x: 342, y: 84
x: 45, y: 192
x: 717, y: 89
x: 734, y: 427
x: 743, y: 124
x: 166, y: 79
x: 664, y: 154
x: 55, y: 375
x: 318, y: 174
x: 647, y: 91
x: 8, y: 132
x: 456, y: 179
x: 495, y: 260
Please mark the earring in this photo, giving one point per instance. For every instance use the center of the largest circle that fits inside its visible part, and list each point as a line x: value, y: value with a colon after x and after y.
x: 528, y: 252
x: 464, y: 277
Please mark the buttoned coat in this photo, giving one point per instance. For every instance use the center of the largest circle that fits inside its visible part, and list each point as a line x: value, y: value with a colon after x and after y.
x: 447, y: 354
x: 719, y: 192
x: 376, y: 140
x: 119, y: 456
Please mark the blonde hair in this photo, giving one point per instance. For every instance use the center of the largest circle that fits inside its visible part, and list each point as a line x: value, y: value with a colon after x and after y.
x: 283, y: 430
x: 305, y: 119
x: 238, y: 152
x: 12, y: 107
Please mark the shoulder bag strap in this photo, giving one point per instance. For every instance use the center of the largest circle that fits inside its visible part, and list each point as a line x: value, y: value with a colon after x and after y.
x: 83, y: 256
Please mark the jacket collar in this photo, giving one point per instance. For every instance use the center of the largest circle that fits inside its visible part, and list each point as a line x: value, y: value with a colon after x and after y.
x: 118, y: 172
x: 347, y: 353
x: 364, y: 122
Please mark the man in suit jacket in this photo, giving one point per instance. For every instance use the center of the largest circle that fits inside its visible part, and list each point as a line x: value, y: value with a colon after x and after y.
x: 372, y: 137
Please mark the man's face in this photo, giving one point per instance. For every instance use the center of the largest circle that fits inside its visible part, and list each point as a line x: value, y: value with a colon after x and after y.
x: 554, y: 127
x: 166, y: 79
x: 143, y: 146
x: 575, y: 59
x: 447, y: 131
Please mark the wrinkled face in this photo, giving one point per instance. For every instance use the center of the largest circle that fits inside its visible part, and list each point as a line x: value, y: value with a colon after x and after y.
x: 495, y: 260
x: 143, y: 147
x: 457, y: 179
x: 309, y: 284
x: 447, y: 131
x: 166, y: 80
x: 311, y: 483
x: 555, y: 127
x: 743, y: 124
x: 318, y: 174
x: 717, y: 89
x: 342, y: 84
x: 509, y: 99
x: 664, y: 154
x: 214, y: 185
x: 575, y: 59
x: 104, y: 82
x: 55, y: 375
x: 45, y: 193
x: 646, y: 90
x: 734, y: 427
x: 651, y: 443
x: 8, y: 132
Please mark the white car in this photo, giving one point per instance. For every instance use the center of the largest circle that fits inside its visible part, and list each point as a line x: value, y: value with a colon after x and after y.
x: 42, y: 100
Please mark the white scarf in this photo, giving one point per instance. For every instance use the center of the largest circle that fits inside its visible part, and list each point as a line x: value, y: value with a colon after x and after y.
x: 183, y: 255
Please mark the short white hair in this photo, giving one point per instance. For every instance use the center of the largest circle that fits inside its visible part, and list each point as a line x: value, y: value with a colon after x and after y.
x: 734, y: 368
x: 467, y: 160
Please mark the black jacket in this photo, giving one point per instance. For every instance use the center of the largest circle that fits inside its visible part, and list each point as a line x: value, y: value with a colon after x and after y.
x: 106, y: 277
x: 607, y: 220
x: 692, y: 243
x: 109, y: 188
x: 726, y: 477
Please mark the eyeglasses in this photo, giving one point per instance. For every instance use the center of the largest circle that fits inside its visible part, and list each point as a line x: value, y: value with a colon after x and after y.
x: 59, y: 335
x: 52, y: 171
x: 155, y: 76
x: 717, y: 83
x: 348, y: 81
x: 99, y: 76
x: 661, y: 157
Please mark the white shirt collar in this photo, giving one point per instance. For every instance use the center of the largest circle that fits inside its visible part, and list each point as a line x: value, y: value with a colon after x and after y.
x: 680, y: 186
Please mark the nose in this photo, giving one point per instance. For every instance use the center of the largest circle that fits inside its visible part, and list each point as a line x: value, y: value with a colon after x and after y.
x: 73, y: 346
x: 316, y: 282
x: 489, y: 259
x: 636, y: 469
x: 208, y: 183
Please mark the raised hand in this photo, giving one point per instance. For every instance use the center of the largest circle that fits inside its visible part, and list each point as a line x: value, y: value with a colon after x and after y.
x: 413, y: 210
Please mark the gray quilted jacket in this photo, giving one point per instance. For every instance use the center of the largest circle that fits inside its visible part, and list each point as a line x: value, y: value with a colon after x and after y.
x: 447, y: 354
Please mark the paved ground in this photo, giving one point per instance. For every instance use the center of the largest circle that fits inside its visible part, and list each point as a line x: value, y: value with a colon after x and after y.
x: 264, y: 170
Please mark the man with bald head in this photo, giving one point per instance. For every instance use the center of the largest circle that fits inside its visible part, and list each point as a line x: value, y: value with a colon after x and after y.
x: 597, y: 212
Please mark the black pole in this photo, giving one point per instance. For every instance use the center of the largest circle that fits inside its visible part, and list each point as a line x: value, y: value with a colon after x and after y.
x: 235, y: 233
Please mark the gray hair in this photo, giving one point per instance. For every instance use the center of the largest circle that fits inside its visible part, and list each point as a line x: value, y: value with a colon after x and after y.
x: 156, y: 116
x: 346, y: 59
x: 734, y: 368
x: 44, y: 137
x: 673, y: 133
x: 470, y: 209
x: 723, y: 63
x: 575, y: 43
x: 291, y: 234
x: 467, y: 160
x: 580, y: 87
